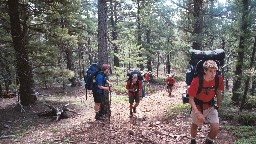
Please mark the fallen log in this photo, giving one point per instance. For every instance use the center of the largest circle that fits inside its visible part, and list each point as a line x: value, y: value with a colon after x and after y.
x: 58, y: 112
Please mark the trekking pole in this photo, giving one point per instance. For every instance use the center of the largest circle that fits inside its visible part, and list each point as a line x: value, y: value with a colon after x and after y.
x: 86, y: 93
x: 109, y: 102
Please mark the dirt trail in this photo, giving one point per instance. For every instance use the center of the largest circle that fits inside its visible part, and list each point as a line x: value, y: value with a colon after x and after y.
x: 149, y: 125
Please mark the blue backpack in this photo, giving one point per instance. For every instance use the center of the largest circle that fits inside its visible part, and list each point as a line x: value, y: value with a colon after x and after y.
x: 90, y: 76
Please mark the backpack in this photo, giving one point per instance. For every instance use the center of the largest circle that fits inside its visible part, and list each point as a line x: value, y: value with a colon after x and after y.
x: 197, y: 58
x: 139, y: 74
x: 131, y: 72
x: 90, y: 76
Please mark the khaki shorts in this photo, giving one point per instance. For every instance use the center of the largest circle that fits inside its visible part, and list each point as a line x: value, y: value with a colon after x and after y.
x: 210, y: 115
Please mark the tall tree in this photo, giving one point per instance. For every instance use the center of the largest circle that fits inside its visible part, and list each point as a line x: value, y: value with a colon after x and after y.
x: 103, y: 48
x: 198, y: 24
x: 23, y: 67
x: 113, y: 20
x: 241, y: 52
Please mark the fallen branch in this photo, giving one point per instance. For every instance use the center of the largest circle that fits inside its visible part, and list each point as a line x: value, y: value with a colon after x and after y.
x: 58, y: 112
x: 7, y: 136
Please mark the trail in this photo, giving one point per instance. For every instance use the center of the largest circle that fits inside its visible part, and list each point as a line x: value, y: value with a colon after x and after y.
x: 148, y: 125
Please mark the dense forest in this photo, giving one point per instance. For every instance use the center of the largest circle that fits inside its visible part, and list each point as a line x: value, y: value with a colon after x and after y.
x: 50, y: 43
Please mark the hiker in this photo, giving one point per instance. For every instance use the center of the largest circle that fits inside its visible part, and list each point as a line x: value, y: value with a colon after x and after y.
x: 203, y: 107
x: 98, y: 93
x: 134, y: 87
x: 170, y: 82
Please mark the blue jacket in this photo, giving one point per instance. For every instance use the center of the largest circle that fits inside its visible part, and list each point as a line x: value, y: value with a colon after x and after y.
x: 100, y: 81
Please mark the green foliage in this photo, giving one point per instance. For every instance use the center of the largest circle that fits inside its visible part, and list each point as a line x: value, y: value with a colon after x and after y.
x: 120, y: 99
x: 250, y: 102
x: 179, y: 78
x: 231, y: 113
x: 178, y: 109
x: 158, y: 81
x: 245, y: 134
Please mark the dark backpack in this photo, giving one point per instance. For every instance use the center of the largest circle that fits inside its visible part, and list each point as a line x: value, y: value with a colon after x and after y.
x: 197, y: 58
x: 90, y: 76
x: 131, y: 72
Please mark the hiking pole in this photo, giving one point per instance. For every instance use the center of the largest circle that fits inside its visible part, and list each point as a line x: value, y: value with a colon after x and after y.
x: 86, y: 93
x: 109, y: 101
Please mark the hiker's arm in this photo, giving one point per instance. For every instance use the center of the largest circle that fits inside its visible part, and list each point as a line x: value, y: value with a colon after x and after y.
x: 198, y: 114
x: 104, y: 88
x: 218, y: 98
x: 193, y: 104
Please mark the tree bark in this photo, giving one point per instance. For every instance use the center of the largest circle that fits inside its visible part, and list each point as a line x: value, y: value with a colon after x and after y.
x: 70, y: 65
x: 239, y: 65
x: 23, y: 67
x: 113, y: 20
x: 168, y: 65
x: 102, y: 49
x: 149, y: 59
x: 102, y: 32
x: 247, y: 82
x: 139, y: 31
x: 198, y: 24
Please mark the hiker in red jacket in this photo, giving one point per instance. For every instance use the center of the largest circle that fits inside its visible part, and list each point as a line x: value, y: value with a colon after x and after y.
x: 202, y: 102
x: 170, y: 82
x: 134, y: 87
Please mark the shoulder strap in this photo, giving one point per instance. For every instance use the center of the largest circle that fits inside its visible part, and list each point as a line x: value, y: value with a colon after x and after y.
x: 130, y: 83
x: 216, y: 83
x: 200, y: 87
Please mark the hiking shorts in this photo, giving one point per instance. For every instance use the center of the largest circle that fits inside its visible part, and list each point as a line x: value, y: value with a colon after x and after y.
x: 169, y: 86
x: 98, y: 97
x: 210, y: 115
x: 134, y: 98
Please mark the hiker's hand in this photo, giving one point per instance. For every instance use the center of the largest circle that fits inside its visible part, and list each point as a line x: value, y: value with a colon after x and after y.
x: 200, y: 117
x: 110, y: 88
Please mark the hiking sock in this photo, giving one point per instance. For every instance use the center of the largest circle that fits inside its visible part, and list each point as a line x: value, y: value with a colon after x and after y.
x: 193, y: 141
x: 208, y: 141
x: 134, y: 109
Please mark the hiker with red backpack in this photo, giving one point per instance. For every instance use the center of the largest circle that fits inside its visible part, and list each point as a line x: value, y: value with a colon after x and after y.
x: 202, y: 101
x: 134, y: 87
x: 170, y: 82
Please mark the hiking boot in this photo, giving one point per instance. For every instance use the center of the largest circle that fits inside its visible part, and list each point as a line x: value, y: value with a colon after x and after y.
x: 99, y: 117
x: 207, y: 141
x: 193, y: 141
x: 134, y: 109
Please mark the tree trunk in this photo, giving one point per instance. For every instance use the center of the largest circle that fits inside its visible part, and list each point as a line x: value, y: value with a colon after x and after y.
x: 23, y: 67
x: 252, y: 61
x: 198, y: 24
x: 139, y: 31
x: 158, y: 64
x: 102, y: 32
x: 70, y: 65
x: 168, y: 65
x: 254, y: 77
x: 1, y: 90
x: 113, y: 20
x: 102, y: 49
x: 239, y: 65
x: 149, y: 59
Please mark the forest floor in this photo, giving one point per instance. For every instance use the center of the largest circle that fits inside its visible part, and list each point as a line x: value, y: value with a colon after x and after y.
x: 149, y: 125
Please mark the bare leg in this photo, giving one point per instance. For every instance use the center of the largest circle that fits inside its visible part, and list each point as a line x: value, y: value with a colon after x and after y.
x: 214, y: 131
x: 193, y: 130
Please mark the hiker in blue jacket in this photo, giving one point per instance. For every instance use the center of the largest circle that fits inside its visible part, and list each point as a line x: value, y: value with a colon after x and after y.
x: 98, y: 93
